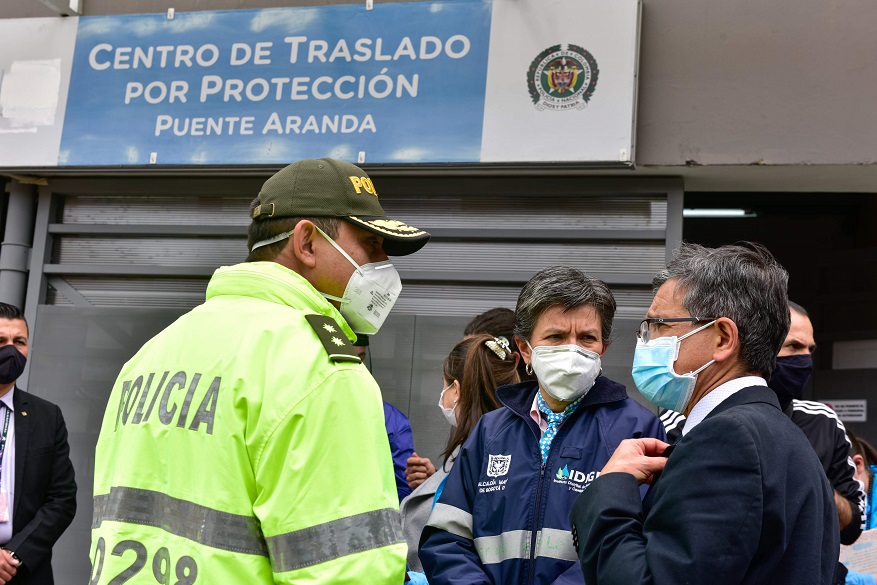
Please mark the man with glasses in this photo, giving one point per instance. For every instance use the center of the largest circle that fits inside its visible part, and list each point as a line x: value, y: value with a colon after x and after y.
x: 741, y: 497
x: 820, y: 424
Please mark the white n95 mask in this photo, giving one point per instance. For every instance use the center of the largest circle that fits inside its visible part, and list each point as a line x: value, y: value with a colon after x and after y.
x: 370, y: 294
x: 449, y: 413
x: 565, y: 372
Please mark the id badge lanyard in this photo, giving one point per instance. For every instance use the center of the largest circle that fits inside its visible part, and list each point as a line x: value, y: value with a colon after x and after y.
x: 3, y: 436
x: 4, y: 503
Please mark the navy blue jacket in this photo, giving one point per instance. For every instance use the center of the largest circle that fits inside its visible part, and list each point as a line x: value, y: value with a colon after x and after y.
x: 828, y: 436
x: 503, y: 516
x: 743, y: 500
x: 401, y: 445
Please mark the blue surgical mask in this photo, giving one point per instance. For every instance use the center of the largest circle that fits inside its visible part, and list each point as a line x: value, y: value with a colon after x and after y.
x: 655, y: 377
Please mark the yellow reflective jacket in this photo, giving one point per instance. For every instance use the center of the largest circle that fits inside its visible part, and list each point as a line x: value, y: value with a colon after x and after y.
x: 241, y: 446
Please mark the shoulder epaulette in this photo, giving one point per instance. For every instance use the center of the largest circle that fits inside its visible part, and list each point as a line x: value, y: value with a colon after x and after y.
x: 333, y: 338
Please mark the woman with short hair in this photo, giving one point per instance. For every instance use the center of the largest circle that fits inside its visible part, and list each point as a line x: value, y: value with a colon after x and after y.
x: 503, y: 514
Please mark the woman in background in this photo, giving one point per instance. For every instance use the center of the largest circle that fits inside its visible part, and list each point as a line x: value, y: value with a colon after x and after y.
x: 865, y: 458
x: 470, y: 375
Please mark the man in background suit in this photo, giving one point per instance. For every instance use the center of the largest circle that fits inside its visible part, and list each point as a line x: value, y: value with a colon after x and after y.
x: 742, y: 498
x: 37, y: 486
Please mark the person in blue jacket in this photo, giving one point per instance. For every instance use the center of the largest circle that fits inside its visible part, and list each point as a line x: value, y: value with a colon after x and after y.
x: 864, y: 457
x: 398, y: 429
x: 401, y: 445
x: 503, y: 514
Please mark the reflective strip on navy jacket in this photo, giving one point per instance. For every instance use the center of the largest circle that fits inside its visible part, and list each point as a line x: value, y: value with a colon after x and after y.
x: 502, y: 518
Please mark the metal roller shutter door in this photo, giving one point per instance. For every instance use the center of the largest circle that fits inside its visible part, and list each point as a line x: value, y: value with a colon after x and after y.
x: 158, y: 250
x: 117, y: 258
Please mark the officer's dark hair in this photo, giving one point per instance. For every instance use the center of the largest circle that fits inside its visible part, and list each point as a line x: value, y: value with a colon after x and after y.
x: 265, y: 229
x: 480, y: 371
x: 799, y: 309
x: 12, y: 313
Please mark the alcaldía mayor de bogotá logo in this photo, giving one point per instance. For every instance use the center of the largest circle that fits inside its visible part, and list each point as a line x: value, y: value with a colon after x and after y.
x: 562, y: 79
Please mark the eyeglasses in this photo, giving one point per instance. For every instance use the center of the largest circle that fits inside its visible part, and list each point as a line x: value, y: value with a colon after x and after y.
x: 645, y: 328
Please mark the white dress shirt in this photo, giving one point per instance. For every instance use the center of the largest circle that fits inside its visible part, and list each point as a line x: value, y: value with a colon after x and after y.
x: 7, y: 475
x: 718, y: 395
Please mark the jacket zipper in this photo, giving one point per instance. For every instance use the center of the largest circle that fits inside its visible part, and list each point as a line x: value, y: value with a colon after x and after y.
x: 536, y: 517
x: 530, y: 571
x: 537, y: 514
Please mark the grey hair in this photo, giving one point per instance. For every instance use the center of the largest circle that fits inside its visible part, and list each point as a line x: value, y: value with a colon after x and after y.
x: 744, y: 283
x: 565, y: 287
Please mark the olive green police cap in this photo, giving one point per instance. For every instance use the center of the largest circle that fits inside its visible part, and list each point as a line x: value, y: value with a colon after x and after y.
x: 332, y: 188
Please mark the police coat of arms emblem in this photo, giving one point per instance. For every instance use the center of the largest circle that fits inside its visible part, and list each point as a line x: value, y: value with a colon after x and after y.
x: 562, y: 79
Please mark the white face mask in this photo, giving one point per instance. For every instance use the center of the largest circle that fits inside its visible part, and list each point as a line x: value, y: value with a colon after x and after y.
x: 370, y: 294
x: 450, y: 413
x: 565, y: 372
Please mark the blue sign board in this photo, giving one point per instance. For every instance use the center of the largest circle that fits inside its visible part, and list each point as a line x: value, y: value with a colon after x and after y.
x: 402, y: 83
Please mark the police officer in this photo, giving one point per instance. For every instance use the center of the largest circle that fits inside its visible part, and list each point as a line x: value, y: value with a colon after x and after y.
x: 245, y: 443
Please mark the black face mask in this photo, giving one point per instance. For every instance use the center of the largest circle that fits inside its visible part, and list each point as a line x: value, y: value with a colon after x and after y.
x: 790, y: 376
x: 12, y: 364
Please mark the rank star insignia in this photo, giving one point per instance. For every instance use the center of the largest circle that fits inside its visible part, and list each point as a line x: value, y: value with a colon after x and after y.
x: 335, y: 344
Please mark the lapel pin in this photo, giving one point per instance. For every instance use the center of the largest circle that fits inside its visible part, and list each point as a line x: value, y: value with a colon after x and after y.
x: 23, y: 413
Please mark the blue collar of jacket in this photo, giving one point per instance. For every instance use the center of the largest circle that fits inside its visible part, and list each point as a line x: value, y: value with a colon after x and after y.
x: 519, y: 397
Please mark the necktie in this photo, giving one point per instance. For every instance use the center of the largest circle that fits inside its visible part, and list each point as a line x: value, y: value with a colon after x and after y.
x: 554, y: 421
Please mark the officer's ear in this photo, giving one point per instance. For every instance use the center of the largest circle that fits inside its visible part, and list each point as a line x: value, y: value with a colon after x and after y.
x: 301, y: 245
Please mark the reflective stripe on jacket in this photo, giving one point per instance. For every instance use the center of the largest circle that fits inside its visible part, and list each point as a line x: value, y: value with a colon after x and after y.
x: 503, y: 517
x: 234, y: 450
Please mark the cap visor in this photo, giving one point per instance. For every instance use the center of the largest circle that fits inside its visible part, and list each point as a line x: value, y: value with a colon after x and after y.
x: 400, y: 239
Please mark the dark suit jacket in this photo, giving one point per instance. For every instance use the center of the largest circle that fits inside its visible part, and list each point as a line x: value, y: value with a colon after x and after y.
x: 743, y: 500
x: 45, y: 489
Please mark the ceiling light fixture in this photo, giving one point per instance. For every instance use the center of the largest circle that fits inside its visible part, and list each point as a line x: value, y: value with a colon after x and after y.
x: 717, y: 213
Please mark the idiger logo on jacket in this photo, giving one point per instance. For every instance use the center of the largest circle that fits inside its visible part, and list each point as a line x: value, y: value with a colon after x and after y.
x: 576, y: 480
x: 497, y: 466
x: 562, y: 79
